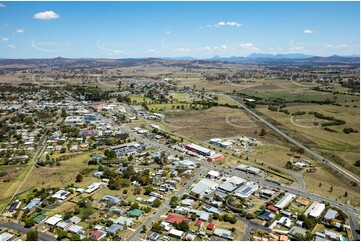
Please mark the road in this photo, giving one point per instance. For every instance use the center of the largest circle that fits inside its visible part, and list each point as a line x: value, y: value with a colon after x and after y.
x: 331, y: 164
x: 352, y: 212
x: 164, y: 208
x: 22, y: 229
x: 250, y: 225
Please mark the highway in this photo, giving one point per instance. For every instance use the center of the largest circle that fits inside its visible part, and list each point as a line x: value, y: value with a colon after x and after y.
x: 331, y: 164
x: 352, y: 212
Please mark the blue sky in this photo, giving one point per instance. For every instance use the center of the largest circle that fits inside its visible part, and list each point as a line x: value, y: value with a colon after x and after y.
x: 159, y: 29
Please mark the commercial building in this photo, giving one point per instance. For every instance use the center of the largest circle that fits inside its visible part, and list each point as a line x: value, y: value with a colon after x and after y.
x: 200, y: 150
x: 204, y: 186
x: 315, y: 210
x: 246, y: 190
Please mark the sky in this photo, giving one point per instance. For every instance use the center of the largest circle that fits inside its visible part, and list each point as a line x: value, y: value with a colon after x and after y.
x: 177, y: 29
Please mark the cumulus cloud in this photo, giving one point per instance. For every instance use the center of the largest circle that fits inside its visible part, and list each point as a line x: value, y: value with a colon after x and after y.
x: 308, y: 31
x: 12, y: 46
x: 5, y: 39
x: 20, y: 31
x: 46, y: 15
x: 2, y: 5
x: 340, y: 46
x: 168, y: 32
x: 223, y: 23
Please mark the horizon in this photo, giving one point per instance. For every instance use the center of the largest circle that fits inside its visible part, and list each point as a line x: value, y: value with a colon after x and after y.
x: 195, y: 58
x: 201, y: 30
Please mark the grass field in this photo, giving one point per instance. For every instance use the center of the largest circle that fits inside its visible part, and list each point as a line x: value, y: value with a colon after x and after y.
x: 138, y: 98
x: 341, y: 147
x: 201, y: 125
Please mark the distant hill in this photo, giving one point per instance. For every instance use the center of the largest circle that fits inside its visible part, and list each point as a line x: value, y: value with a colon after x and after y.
x: 184, y: 62
x: 279, y: 56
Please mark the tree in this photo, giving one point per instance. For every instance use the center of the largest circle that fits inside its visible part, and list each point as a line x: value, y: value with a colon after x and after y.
x: 319, y: 185
x: 148, y: 190
x: 156, y: 203
x: 331, y: 189
x: 263, y: 132
x: 174, y: 202
x: 134, y: 206
x: 184, y: 226
x: 29, y: 222
x: 62, y: 234
x: 32, y: 235
x: 68, y: 214
x: 357, y: 163
x: 79, y: 178
x: 299, y: 237
x: 301, y: 151
x: 75, y: 237
x: 346, y: 194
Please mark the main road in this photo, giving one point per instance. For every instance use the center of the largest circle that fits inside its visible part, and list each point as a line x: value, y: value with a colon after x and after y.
x: 352, y: 212
x: 351, y: 176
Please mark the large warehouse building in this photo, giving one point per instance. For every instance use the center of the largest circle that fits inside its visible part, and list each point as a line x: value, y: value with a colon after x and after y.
x: 200, y: 150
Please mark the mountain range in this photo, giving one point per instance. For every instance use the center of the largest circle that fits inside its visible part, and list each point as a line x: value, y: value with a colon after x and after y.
x: 269, y: 59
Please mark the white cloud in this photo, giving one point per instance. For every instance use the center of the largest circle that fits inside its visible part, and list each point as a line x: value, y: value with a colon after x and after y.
x: 12, y: 46
x: 249, y: 46
x: 297, y: 48
x: 5, y: 39
x: 182, y: 50
x: 46, y: 15
x: 20, y: 31
x: 168, y: 32
x: 223, y: 23
x: 246, y: 45
x: 340, y: 46
x: 2, y: 5
x: 308, y: 31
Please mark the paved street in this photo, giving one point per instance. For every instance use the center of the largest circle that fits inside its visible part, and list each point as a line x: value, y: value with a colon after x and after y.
x: 352, y: 212
x: 22, y: 229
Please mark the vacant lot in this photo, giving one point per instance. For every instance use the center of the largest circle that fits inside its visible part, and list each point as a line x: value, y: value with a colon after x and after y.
x: 201, y: 125
x: 340, y: 147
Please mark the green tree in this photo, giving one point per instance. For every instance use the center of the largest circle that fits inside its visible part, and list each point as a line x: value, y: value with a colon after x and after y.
x: 75, y: 237
x: 32, y: 235
x: 79, y: 178
x: 62, y: 234
x: 156, y: 203
x: 29, y: 222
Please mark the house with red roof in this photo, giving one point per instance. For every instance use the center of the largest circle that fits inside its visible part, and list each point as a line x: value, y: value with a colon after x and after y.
x: 272, y: 208
x: 210, y: 226
x: 173, y: 218
x: 97, y: 235
x: 199, y: 223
